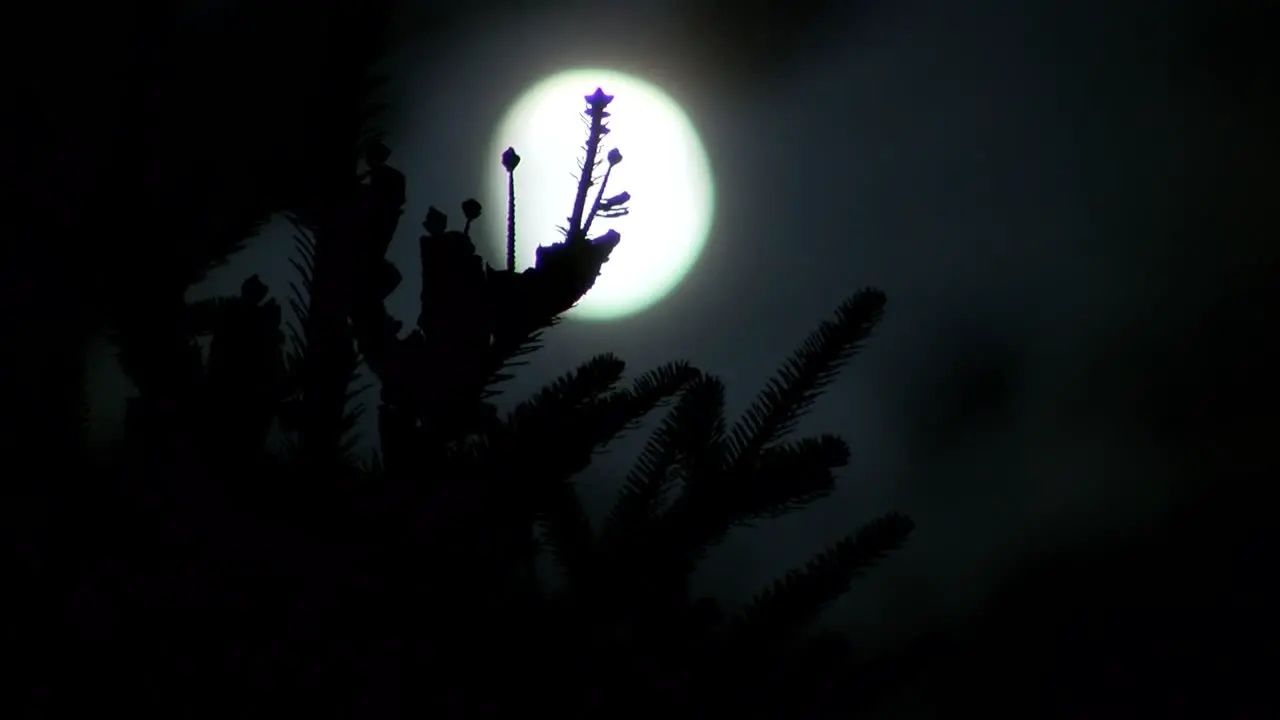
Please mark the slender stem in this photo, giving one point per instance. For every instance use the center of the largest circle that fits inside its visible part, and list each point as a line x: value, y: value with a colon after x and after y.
x: 511, y: 221
x: 584, y: 181
x: 591, y: 216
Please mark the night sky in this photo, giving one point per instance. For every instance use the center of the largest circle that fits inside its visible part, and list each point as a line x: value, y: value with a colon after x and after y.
x: 1066, y: 203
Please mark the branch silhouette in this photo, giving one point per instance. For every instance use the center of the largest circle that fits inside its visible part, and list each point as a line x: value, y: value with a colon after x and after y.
x: 240, y: 575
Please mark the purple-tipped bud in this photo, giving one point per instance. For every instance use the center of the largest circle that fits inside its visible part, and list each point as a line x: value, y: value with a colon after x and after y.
x: 598, y: 99
x: 614, y: 156
x: 616, y: 200
x: 510, y: 159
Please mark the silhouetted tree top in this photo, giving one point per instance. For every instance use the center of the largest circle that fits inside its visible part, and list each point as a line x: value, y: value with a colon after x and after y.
x: 393, y: 564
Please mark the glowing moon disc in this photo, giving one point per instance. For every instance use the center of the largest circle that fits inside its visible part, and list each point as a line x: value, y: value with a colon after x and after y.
x: 664, y: 168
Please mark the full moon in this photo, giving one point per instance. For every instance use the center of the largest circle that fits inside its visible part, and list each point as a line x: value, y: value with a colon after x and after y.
x: 665, y: 169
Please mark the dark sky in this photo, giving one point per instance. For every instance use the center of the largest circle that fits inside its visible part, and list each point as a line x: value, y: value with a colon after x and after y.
x: 1065, y: 202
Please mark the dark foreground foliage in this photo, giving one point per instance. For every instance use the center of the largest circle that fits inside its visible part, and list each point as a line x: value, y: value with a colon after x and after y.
x: 236, y: 556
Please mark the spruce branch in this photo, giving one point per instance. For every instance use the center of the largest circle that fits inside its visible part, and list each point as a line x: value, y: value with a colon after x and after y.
x: 688, y: 431
x: 790, y: 476
x: 567, y: 531
x: 805, y: 375
x: 794, y: 601
x: 569, y: 392
x: 300, y: 289
x: 579, y: 426
x: 622, y: 410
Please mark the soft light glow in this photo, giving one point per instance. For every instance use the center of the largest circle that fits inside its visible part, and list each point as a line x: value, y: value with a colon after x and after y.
x: 664, y: 168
